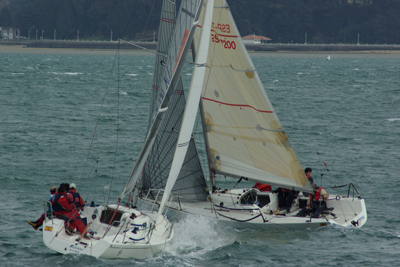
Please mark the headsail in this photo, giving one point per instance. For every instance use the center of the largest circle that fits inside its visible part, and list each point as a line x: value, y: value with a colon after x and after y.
x: 191, y: 184
x: 243, y: 133
x: 189, y: 117
x: 178, y: 48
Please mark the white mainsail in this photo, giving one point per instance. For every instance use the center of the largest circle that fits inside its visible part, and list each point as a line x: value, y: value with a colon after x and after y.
x: 244, y: 135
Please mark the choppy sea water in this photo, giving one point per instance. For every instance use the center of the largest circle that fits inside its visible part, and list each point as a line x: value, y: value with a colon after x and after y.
x: 345, y: 112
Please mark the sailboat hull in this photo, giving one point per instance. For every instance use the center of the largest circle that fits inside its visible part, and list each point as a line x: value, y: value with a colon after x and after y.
x: 227, y: 207
x: 137, y: 238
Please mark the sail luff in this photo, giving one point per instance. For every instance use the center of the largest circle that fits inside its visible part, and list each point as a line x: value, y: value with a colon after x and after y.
x: 189, y: 117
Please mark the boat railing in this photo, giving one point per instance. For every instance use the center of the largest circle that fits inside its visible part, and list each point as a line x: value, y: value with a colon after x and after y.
x: 352, y: 188
x: 48, y: 210
x: 158, y: 193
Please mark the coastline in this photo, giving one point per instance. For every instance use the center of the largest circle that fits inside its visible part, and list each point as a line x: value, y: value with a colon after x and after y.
x: 96, y: 46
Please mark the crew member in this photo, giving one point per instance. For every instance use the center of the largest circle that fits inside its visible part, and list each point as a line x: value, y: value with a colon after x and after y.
x: 316, y: 202
x: 262, y: 187
x: 39, y: 222
x: 308, y: 172
x: 77, y: 199
x: 66, y: 211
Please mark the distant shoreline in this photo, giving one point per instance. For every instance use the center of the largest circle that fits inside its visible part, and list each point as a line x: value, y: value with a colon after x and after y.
x: 108, y: 45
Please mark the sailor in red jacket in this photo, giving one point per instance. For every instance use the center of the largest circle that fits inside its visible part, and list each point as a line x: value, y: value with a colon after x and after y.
x: 262, y: 187
x: 66, y: 211
x: 77, y: 199
x: 39, y: 222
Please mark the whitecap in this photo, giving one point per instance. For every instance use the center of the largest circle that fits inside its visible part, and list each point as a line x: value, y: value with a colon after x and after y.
x: 190, y: 240
x: 395, y: 119
x: 276, y: 81
x: 124, y: 93
x: 67, y: 73
x: 17, y: 73
x: 133, y: 74
x: 72, y: 73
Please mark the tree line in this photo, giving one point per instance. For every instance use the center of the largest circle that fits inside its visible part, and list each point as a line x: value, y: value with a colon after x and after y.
x: 284, y: 21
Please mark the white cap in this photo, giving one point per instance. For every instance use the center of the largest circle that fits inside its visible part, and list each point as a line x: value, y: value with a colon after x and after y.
x: 72, y: 186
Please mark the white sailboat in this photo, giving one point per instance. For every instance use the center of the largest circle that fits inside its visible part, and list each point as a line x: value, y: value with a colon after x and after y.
x: 121, y: 231
x: 116, y: 232
x: 243, y: 139
x: 328, y: 57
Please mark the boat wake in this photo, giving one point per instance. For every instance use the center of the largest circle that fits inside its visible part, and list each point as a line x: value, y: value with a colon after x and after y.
x: 196, y: 235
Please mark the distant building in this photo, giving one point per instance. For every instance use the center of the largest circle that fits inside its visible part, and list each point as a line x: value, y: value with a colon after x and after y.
x: 255, y: 39
x: 10, y: 33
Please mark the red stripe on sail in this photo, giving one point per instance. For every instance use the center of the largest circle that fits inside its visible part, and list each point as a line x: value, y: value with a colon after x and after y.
x: 183, y: 42
x: 168, y: 20
x: 223, y: 35
x: 237, y: 105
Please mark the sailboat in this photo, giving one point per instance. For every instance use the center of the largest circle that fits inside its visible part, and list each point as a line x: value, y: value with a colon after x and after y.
x: 328, y: 57
x: 243, y: 137
x: 122, y: 231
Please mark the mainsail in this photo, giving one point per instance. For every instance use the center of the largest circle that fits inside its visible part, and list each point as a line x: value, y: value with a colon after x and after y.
x: 243, y: 133
x: 167, y: 26
x: 177, y: 52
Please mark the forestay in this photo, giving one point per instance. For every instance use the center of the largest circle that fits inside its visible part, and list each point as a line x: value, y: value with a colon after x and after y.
x: 244, y: 135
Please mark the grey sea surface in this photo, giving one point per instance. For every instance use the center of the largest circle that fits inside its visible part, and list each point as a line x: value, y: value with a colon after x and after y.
x: 344, y: 112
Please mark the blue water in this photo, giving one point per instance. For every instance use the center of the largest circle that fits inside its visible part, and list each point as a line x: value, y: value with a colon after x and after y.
x: 345, y: 112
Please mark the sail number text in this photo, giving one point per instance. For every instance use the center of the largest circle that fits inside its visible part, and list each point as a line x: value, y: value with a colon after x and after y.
x: 218, y: 38
x: 227, y: 44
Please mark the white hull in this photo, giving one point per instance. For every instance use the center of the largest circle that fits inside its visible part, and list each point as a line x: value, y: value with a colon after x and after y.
x: 347, y: 212
x: 118, y: 242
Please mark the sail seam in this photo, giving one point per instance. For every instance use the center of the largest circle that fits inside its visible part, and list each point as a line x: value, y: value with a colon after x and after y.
x: 237, y: 105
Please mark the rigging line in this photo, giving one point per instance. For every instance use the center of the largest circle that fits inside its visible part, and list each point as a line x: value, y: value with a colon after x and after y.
x: 116, y: 142
x: 98, y: 119
x: 132, y: 16
x: 92, y: 180
x: 141, y: 47
x: 151, y: 11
